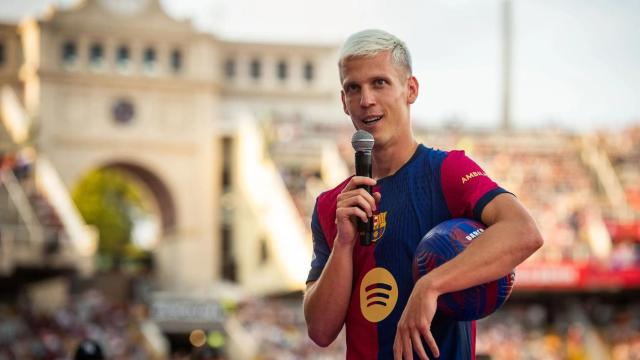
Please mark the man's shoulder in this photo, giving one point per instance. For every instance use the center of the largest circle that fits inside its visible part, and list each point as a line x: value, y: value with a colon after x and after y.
x: 439, y: 155
x: 432, y: 157
x: 435, y: 152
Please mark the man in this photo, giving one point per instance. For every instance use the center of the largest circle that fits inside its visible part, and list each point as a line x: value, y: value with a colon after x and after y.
x: 415, y: 188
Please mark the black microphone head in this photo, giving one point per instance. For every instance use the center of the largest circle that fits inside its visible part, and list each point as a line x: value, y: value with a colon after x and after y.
x: 362, y: 141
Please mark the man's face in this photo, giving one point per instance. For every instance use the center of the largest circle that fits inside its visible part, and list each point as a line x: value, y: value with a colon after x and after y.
x: 376, y: 94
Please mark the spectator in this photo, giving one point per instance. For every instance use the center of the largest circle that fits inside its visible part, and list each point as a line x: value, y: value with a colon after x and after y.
x: 89, y: 350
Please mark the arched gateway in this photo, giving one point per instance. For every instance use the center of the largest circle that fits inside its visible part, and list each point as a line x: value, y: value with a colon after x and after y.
x: 119, y: 84
x: 110, y: 90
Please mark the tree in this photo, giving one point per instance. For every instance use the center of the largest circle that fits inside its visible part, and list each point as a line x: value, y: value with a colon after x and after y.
x: 107, y: 199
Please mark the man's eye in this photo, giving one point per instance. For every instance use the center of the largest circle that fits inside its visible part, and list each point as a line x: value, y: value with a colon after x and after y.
x: 380, y: 82
x: 352, y: 88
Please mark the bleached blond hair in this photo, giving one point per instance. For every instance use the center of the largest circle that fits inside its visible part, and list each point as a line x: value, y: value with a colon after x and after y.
x: 371, y: 42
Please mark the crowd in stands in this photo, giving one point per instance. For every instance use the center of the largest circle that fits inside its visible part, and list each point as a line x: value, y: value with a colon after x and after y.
x: 19, y: 161
x: 556, y: 188
x: 548, y: 174
x: 280, y: 327
x: 26, y: 333
x: 546, y: 329
x: 303, y: 176
x: 623, y: 149
x: 587, y: 328
x: 536, y: 331
x: 574, y: 328
x: 297, y: 182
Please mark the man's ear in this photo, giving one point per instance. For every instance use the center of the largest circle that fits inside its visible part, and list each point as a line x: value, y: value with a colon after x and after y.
x: 413, y: 87
x: 344, y: 102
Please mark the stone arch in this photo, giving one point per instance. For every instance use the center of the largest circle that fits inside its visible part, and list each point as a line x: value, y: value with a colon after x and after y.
x: 152, y: 182
x: 158, y: 189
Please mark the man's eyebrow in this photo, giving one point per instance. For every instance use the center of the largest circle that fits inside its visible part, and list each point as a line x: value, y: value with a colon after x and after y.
x: 377, y: 78
x: 348, y: 83
x: 381, y: 76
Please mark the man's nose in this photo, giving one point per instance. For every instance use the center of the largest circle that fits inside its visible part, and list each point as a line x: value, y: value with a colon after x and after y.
x: 366, y: 97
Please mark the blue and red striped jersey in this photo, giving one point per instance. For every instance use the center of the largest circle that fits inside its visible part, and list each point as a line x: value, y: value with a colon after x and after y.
x: 433, y: 186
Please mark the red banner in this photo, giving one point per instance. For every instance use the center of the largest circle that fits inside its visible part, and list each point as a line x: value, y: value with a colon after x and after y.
x: 567, y: 276
x: 623, y: 231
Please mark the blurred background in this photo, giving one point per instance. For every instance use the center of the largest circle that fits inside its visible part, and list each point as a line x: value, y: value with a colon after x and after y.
x: 159, y: 161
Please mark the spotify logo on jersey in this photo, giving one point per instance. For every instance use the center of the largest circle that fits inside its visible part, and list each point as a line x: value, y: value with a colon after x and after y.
x: 378, y: 294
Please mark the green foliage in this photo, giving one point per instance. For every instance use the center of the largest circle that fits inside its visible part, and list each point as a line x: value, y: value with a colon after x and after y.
x: 106, y: 199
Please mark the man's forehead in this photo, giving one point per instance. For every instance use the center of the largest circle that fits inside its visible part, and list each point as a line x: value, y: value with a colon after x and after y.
x: 365, y: 63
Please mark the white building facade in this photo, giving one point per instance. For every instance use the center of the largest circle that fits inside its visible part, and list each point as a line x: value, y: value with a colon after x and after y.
x: 120, y: 84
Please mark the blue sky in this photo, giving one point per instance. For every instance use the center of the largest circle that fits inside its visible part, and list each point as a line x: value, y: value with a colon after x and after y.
x: 576, y: 62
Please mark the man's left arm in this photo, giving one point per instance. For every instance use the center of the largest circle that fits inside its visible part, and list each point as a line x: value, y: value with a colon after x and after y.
x: 511, y: 237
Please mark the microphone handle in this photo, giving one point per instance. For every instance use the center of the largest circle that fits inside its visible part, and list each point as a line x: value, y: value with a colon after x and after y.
x: 363, y: 168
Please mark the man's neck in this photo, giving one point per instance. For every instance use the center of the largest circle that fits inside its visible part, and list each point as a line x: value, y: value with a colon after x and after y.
x: 388, y: 160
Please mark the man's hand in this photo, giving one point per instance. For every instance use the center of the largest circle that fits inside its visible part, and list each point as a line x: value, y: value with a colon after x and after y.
x: 415, y: 323
x: 354, y: 203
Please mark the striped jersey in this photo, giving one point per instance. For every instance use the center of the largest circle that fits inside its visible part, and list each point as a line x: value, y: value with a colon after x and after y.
x: 433, y: 186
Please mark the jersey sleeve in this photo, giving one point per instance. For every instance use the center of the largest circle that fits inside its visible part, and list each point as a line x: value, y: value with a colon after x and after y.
x: 467, y: 188
x: 321, y: 249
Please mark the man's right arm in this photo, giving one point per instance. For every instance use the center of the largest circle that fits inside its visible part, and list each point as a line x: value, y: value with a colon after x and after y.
x: 326, y: 300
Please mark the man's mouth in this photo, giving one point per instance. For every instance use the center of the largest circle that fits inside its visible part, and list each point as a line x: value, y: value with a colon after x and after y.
x: 371, y: 119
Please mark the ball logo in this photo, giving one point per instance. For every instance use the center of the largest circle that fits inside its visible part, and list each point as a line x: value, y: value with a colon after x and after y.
x: 474, y: 234
x: 378, y: 294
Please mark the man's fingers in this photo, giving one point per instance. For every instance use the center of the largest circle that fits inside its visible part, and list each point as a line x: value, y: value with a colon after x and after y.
x: 349, y: 212
x: 358, y: 198
x: 397, y: 348
x: 357, y: 203
x: 417, y: 345
x: 357, y: 181
x: 407, y: 351
x: 431, y: 342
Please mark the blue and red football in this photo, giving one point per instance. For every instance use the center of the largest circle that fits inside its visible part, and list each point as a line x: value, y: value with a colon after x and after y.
x: 443, y: 243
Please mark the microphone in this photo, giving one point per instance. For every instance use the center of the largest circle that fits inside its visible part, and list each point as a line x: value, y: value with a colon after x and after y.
x: 362, y: 143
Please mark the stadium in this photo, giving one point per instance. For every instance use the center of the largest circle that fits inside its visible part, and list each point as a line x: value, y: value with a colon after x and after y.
x: 130, y: 212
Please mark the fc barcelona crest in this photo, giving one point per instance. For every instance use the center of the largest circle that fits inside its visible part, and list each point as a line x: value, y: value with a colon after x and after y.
x: 379, y: 225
